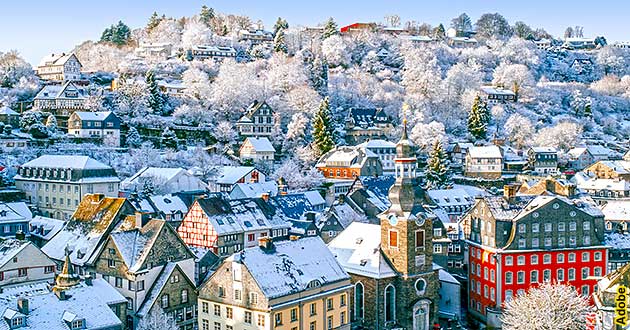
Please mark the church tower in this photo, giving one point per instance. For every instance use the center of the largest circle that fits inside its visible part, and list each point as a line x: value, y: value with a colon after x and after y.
x: 411, y: 300
x: 406, y: 227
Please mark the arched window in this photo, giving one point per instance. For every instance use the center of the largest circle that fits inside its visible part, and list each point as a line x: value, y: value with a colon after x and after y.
x: 358, y: 301
x: 390, y: 303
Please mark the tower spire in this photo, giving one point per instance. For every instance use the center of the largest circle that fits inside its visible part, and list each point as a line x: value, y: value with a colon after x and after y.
x: 405, y: 107
x: 67, y: 278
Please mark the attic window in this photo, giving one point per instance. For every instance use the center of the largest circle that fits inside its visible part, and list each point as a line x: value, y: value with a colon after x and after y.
x: 230, y: 220
x: 167, y: 201
x: 17, y: 322
x: 77, y: 324
x: 363, y: 262
x: 314, y: 284
x: 359, y: 240
x: 220, y: 222
x: 248, y: 224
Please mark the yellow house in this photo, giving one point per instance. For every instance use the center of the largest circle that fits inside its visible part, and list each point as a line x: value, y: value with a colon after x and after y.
x: 288, y: 285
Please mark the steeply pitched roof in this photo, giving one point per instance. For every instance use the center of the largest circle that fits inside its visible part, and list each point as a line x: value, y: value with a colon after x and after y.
x: 158, y: 286
x: 485, y: 152
x: 260, y: 144
x: 9, y: 248
x: 357, y: 249
x: 291, y: 266
x: 94, y: 116
x: 231, y: 174
x: 134, y: 245
x: 14, y: 212
x: 56, y: 59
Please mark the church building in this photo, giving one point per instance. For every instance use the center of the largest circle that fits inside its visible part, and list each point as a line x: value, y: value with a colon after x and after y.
x: 396, y: 285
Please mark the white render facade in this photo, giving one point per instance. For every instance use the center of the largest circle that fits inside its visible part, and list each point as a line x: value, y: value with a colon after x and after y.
x: 59, y: 67
x: 56, y: 184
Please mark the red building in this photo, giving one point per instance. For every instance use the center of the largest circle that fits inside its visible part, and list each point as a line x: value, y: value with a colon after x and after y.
x: 518, y: 242
x: 358, y: 27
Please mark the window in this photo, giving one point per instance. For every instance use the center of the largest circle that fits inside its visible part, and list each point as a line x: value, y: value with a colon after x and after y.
x: 204, y: 307
x: 294, y: 314
x: 437, y: 248
x: 260, y: 320
x: 535, y: 242
x: 597, y: 256
x: 312, y: 326
x: 342, y: 318
x: 585, y: 272
x: 217, y: 310
x: 521, y: 243
x: 278, y: 319
x: 572, y: 226
x: 547, y: 259
x: 342, y: 300
x: 253, y: 298
x: 313, y: 309
x: 520, y: 277
x: 217, y: 325
x: 585, y: 256
x: 571, y: 257
x: 534, y: 259
x: 535, y: 227
x: 358, y: 300
x: 492, y: 275
x: 329, y: 304
x: 393, y: 239
x: 248, y: 317
x: 586, y: 240
x: 111, y: 263
x: 546, y: 275
x: 560, y: 275
x: 571, y: 274
x: 238, y: 295
x: 508, y: 295
x: 175, y: 278
x: 118, y: 282
x: 548, y: 227
x: 329, y: 321
x: 521, y: 228
x: 49, y: 269
x: 520, y: 260
x: 165, y: 301
x: 205, y: 325
x: 129, y: 303
x: 560, y: 258
x: 390, y: 303
x: 184, y: 296
x: 221, y: 291
x: 586, y: 225
x: 509, y: 261
x: 533, y: 276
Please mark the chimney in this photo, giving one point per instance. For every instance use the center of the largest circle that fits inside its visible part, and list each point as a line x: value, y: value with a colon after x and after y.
x: 20, y: 235
x: 98, y: 197
x: 22, y: 305
x: 61, y: 294
x: 310, y: 216
x: 141, y: 219
x: 265, y: 196
x: 265, y: 243
x: 509, y: 191
x: 88, y: 280
x: 341, y: 199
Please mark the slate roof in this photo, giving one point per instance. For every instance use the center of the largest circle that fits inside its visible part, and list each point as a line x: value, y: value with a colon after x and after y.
x: 134, y: 245
x: 260, y: 144
x: 293, y: 205
x: 291, y: 266
x: 14, y: 212
x: 45, y: 228
x: 66, y: 161
x: 367, y: 117
x: 158, y: 286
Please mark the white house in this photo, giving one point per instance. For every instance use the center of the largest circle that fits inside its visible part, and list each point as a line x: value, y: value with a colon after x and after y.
x: 59, y: 67
x: 580, y: 158
x: 257, y: 149
x: 228, y: 176
x: 254, y: 190
x: 164, y: 180
x: 386, y: 152
x: 484, y: 161
x: 22, y: 262
x: 103, y: 125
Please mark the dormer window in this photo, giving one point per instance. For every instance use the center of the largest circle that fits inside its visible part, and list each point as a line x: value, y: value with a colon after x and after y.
x: 77, y: 324
x: 313, y: 284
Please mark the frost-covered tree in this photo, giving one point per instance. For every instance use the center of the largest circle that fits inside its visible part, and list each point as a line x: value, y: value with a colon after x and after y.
x: 508, y: 75
x: 610, y: 60
x: 196, y: 33
x: 437, y: 172
x: 439, y: 32
x: 493, y: 26
x: 523, y: 30
x: 478, y: 119
x: 155, y: 100
x: 519, y: 130
x: 548, y: 306
x: 330, y: 29
x: 191, y: 115
x: 421, y: 75
x: 392, y: 20
x: 30, y: 118
x: 157, y: 319
x: 168, y: 139
x: 281, y: 24
x: 206, y: 15
x: 51, y: 124
x: 461, y: 24
x: 423, y: 135
x: 133, y: 138
x: 335, y: 51
x: 568, y: 33
x: 323, y: 129
x: 154, y: 20
x: 296, y: 177
x: 39, y: 131
x: 279, y: 44
x: 197, y: 83
x: 12, y: 68
x: 564, y: 135
x: 235, y: 87
x: 319, y: 75
x: 225, y: 133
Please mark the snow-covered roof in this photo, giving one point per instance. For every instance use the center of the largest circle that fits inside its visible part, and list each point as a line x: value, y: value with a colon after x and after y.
x: 168, y: 204
x: 94, y: 116
x: 55, y: 59
x: 583, y: 204
x: 165, y: 173
x: 134, y: 245
x: 291, y: 266
x: 158, y: 286
x: 541, y: 150
x: 14, y: 212
x: 451, y: 197
x: 377, y: 144
x: 417, y: 38
x: 253, y: 190
x: 7, y: 111
x: 214, y: 48
x: 88, y: 302
x: 260, y: 144
x: 617, y: 210
x: 51, y: 92
x: 45, y: 228
x: 10, y: 248
x: 584, y: 182
x: 599, y: 151
x: 357, y: 249
x: 314, y: 197
x: 617, y: 240
x: 485, y: 152
x: 618, y: 166
x: 577, y: 152
x: 66, y: 161
x: 496, y: 90
x: 231, y: 174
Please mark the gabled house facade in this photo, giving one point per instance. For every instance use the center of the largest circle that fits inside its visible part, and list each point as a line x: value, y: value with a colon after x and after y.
x: 543, y: 160
x: 61, y: 101
x: 258, y: 120
x: 349, y: 163
x: 484, y: 162
x: 59, y: 67
x: 363, y: 124
x: 103, y: 125
x: 21, y: 262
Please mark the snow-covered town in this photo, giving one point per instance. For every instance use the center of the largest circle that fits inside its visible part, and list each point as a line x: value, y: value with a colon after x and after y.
x: 218, y: 171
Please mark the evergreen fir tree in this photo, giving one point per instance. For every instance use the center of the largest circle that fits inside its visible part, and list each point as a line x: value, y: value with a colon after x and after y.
x: 319, y: 75
x: 169, y: 139
x: 206, y: 15
x: 330, y: 29
x: 439, y: 33
x: 279, y: 44
x: 323, y: 128
x: 437, y: 172
x: 133, y: 138
x: 118, y: 34
x: 478, y: 119
x: 224, y: 31
x: 156, y: 99
x: 154, y: 21
x: 588, y: 112
x: 148, y: 187
x: 51, y: 123
x: 281, y: 24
